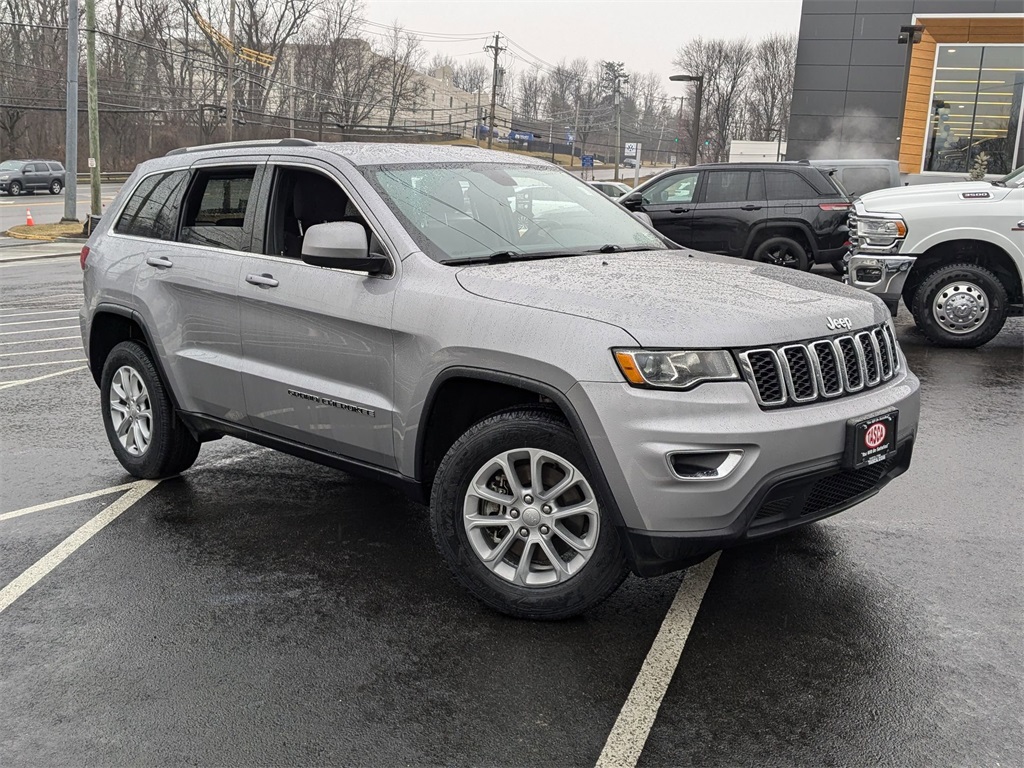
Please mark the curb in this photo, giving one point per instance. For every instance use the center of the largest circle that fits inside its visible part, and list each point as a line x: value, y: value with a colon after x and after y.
x: 36, y: 257
x: 23, y: 236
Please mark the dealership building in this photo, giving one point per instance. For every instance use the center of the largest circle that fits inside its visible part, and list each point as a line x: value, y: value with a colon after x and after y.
x: 932, y: 83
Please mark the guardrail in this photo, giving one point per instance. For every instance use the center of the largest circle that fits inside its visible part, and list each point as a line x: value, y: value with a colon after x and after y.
x: 111, y: 177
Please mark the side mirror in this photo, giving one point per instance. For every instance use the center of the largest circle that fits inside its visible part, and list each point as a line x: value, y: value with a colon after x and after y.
x: 341, y: 245
x: 644, y: 218
x: 634, y: 201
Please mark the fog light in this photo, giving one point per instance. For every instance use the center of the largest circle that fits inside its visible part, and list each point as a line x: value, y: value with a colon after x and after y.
x: 704, y: 465
x: 869, y: 275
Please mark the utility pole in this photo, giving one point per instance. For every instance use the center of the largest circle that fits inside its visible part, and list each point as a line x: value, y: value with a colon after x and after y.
x: 93, y: 106
x: 619, y: 79
x: 679, y: 135
x: 71, y: 118
x: 551, y: 138
x: 230, y: 96
x: 497, y: 49
x: 479, y: 119
x: 575, y: 130
x: 291, y: 98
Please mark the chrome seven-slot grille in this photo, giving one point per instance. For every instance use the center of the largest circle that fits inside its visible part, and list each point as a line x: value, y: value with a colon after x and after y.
x: 809, y: 371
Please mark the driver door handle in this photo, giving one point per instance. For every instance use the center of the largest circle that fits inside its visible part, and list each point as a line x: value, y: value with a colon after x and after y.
x: 263, y: 281
x: 751, y: 208
x: 679, y: 210
x: 160, y: 262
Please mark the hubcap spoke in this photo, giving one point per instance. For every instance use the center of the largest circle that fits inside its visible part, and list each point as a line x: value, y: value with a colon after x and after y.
x: 495, y: 556
x: 580, y: 545
x: 560, y: 566
x: 523, y: 569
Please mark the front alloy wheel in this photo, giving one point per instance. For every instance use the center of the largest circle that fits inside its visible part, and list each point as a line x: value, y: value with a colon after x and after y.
x: 531, y: 517
x: 517, y: 519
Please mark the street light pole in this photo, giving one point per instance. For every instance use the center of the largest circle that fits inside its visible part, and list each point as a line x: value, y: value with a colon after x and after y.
x: 92, y: 102
x: 698, y: 97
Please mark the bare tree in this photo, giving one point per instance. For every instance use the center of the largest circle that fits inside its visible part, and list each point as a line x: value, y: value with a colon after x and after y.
x: 724, y: 65
x: 440, y: 61
x: 770, y: 87
x: 472, y: 76
x: 403, y: 53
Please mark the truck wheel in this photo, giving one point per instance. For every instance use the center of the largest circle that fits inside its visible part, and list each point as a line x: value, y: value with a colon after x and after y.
x: 960, y: 305
x: 782, y: 252
x: 515, y: 516
x: 146, y: 434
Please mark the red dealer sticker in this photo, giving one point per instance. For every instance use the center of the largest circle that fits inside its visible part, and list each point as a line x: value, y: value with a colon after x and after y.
x: 871, y: 440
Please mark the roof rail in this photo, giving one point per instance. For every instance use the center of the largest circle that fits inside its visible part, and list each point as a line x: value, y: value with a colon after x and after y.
x: 255, y: 143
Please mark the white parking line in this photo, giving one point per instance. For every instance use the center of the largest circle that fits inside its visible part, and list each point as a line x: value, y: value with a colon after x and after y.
x: 20, y: 382
x: 26, y: 314
x: 41, y: 352
x: 37, y: 365
x: 39, y: 330
x: 66, y: 548
x: 635, y: 720
x: 68, y: 316
x: 38, y: 341
x: 68, y: 500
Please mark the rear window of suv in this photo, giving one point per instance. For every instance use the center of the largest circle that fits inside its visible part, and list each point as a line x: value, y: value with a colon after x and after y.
x: 786, y: 185
x: 56, y: 167
x: 152, y: 209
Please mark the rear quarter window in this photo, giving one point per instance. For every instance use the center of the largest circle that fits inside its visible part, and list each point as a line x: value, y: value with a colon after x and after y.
x: 56, y: 167
x: 152, y: 210
x: 786, y: 185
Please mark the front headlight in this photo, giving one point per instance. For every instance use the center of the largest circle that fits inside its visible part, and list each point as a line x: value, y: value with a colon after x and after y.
x: 675, y: 369
x: 890, y: 228
x: 5, y: 177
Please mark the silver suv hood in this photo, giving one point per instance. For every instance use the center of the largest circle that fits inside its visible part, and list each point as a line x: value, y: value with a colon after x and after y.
x: 680, y: 298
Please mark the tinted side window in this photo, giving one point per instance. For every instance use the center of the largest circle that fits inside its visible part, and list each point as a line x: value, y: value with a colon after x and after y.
x: 216, y: 209
x: 783, y: 185
x: 152, y: 209
x: 29, y: 168
x: 56, y: 167
x: 726, y: 187
x: 676, y: 188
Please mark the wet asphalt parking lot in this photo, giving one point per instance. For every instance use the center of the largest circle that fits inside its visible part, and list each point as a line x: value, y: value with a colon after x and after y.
x: 263, y: 610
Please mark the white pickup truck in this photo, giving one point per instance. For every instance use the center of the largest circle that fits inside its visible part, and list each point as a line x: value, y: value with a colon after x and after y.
x: 953, y: 252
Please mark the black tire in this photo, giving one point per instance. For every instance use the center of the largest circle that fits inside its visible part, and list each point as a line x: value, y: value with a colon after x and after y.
x: 943, y: 278
x: 782, y: 252
x: 172, y: 448
x: 56, y: 187
x: 523, y: 427
x: 14, y: 189
x: 839, y: 266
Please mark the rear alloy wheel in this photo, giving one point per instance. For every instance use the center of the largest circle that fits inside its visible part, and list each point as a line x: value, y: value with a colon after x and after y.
x: 960, y: 305
x: 517, y: 520
x: 14, y: 189
x: 56, y: 187
x: 146, y: 434
x: 782, y: 252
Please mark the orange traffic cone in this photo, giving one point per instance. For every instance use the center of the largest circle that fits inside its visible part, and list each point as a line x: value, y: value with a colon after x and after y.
x: 28, y: 218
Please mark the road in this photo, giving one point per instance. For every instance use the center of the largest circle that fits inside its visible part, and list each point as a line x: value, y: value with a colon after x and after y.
x: 47, y: 208
x: 261, y: 609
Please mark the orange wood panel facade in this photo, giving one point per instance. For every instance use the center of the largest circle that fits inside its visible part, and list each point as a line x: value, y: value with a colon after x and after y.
x: 917, y: 109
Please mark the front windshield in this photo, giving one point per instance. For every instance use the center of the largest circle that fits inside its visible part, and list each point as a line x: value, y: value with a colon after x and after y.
x: 1014, y: 178
x: 466, y: 211
x: 10, y: 165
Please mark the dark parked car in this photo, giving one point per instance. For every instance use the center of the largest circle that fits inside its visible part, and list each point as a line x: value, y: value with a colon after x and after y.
x: 791, y: 214
x: 17, y: 176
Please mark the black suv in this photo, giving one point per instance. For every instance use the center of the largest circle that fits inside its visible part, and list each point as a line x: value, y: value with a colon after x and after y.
x: 17, y: 176
x: 791, y: 214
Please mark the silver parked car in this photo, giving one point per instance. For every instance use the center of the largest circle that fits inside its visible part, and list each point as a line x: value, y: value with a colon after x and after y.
x: 575, y: 397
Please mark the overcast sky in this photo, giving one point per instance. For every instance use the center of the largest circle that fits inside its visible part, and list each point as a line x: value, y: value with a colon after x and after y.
x: 642, y: 33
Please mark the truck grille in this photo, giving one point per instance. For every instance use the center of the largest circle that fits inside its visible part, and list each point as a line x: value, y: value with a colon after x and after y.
x: 796, y: 374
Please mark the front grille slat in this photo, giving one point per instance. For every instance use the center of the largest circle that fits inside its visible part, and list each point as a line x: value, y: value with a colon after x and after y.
x: 807, y: 372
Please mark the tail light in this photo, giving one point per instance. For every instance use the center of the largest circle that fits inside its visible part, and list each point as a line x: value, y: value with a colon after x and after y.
x: 83, y: 255
x: 835, y: 206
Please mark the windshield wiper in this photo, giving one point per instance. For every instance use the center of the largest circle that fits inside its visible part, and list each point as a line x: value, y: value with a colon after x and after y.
x: 503, y: 257
x: 613, y: 248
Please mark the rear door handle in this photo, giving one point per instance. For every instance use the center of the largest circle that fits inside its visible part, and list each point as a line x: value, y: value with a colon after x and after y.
x: 263, y: 281
x: 751, y: 208
x: 679, y: 210
x: 160, y: 262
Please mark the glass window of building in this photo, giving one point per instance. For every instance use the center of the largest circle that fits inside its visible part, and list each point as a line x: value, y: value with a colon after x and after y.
x: 976, y: 108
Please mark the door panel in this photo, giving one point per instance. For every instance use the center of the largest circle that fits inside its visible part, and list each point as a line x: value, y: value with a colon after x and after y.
x: 732, y: 204
x: 669, y: 203
x: 318, y: 350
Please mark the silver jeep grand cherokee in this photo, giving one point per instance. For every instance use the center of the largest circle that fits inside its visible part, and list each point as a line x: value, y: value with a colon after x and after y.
x: 576, y: 396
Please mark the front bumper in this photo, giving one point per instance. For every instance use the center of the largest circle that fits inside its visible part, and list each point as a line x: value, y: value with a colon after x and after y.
x: 670, y: 522
x: 882, y: 275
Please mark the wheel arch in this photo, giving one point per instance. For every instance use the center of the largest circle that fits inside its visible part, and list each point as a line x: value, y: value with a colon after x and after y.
x: 111, y: 324
x: 476, y: 393
x: 766, y: 230
x: 983, y: 253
